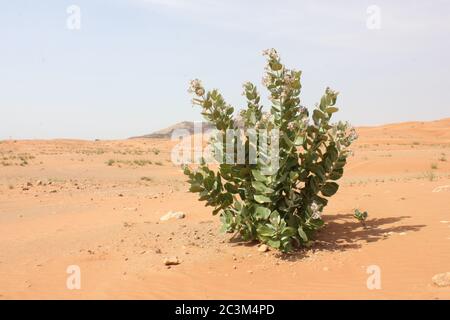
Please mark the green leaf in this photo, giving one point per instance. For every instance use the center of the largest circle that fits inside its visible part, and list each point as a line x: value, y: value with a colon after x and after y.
x: 261, y: 187
x: 316, y: 223
x: 195, y: 188
x: 259, y: 176
x: 302, y: 234
x: 231, y: 188
x: 275, y: 66
x: 275, y: 218
x: 318, y: 171
x: 262, y: 213
x: 318, y: 115
x: 274, y: 243
x: 299, y: 140
x: 266, y: 231
x: 331, y: 110
x: 314, y: 184
x: 329, y: 189
x: 336, y: 174
x: 261, y: 199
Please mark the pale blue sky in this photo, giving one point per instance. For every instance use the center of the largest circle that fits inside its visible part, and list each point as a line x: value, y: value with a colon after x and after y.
x: 126, y: 71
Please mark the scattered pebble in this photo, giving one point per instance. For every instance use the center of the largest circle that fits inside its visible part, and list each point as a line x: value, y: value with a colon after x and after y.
x: 171, y: 261
x: 441, y: 279
x: 172, y: 215
x: 263, y: 248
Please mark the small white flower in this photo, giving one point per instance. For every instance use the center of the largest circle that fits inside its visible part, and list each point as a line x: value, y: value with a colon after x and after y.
x: 288, y: 79
x: 271, y: 53
x: 267, y: 80
x: 316, y: 213
x: 291, y: 125
x: 353, y: 134
x: 195, y: 86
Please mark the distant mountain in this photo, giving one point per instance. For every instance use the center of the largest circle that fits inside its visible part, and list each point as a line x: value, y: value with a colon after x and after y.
x: 167, y: 132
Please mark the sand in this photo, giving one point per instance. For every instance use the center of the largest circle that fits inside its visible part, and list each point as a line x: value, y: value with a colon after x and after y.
x: 66, y: 203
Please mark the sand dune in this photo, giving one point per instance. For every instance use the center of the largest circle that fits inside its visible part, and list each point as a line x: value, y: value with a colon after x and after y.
x: 98, y: 205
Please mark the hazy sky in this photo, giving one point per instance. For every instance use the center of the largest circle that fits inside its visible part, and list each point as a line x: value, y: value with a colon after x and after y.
x: 126, y: 71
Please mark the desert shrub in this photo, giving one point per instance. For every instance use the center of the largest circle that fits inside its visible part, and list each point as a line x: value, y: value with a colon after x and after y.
x: 284, y: 208
x: 361, y: 216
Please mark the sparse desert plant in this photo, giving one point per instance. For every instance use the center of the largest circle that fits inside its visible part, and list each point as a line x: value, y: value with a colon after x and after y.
x: 434, y: 166
x: 430, y: 175
x: 148, y: 179
x: 156, y: 151
x: 158, y: 163
x: 110, y: 162
x: 282, y: 209
x: 361, y: 216
x: 142, y: 163
x: 443, y: 157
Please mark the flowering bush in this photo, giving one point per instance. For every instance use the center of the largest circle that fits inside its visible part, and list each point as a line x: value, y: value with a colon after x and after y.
x: 282, y: 208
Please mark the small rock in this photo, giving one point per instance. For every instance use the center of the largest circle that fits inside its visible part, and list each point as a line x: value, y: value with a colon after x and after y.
x: 171, y: 261
x: 442, y: 279
x: 263, y: 248
x: 158, y: 250
x: 172, y: 215
x: 29, y: 184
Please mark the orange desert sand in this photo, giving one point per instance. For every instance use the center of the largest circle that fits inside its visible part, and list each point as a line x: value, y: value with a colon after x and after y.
x: 98, y: 204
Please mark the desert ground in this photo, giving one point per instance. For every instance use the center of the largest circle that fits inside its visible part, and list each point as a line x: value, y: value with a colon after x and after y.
x: 97, y: 205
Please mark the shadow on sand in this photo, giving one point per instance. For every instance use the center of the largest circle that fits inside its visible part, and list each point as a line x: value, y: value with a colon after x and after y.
x: 343, y: 232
